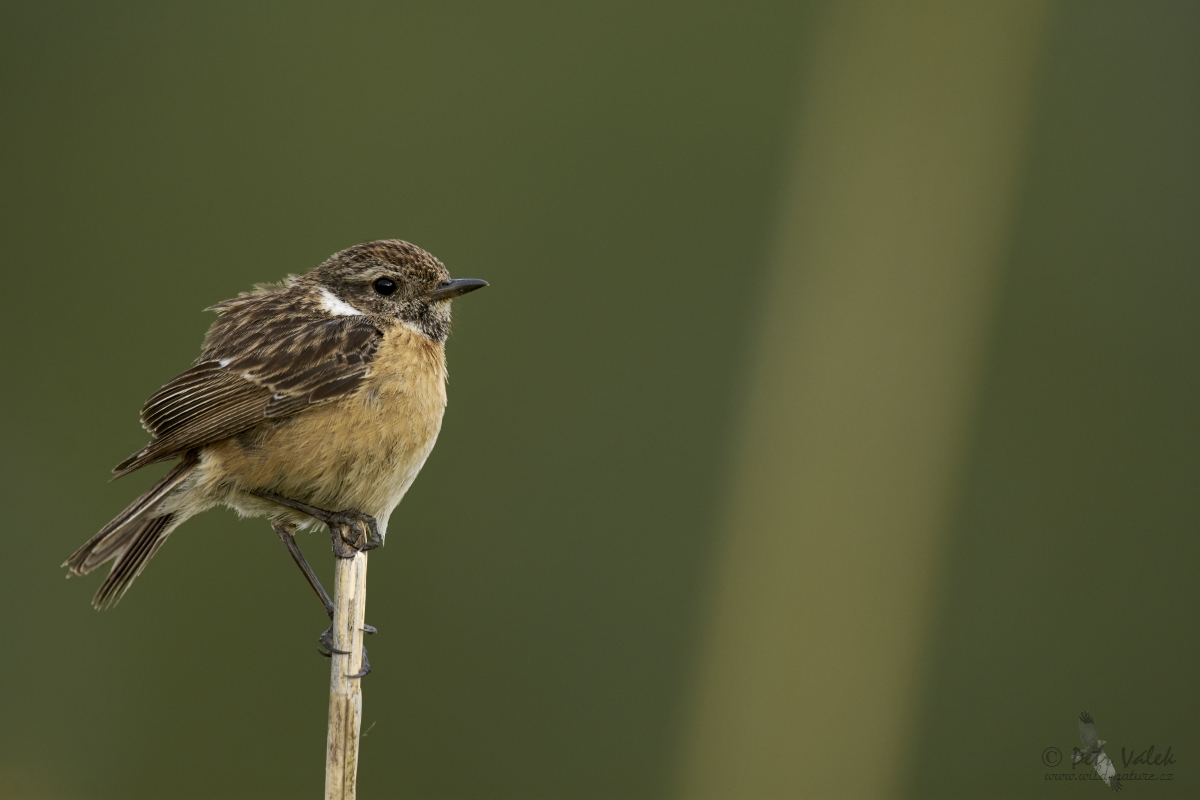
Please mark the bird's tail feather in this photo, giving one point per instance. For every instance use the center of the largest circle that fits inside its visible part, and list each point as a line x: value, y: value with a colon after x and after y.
x: 132, y: 538
x: 145, y: 539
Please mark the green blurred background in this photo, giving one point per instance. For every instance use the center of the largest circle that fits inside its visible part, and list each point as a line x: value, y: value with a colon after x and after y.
x: 829, y: 428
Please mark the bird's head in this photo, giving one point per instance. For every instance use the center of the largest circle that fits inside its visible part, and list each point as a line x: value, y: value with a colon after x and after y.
x: 391, y: 280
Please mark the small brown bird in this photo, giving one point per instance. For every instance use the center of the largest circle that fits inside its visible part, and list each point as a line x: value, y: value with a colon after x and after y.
x: 314, y: 401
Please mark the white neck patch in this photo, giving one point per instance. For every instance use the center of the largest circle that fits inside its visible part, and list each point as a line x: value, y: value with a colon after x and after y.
x: 337, y: 306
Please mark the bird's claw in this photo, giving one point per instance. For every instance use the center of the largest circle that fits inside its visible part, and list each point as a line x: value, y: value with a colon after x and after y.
x: 364, y: 527
x: 366, y: 667
x: 326, y: 641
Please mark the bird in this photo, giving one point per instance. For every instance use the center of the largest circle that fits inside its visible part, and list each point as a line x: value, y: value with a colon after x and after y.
x: 315, y: 401
x: 1093, y: 752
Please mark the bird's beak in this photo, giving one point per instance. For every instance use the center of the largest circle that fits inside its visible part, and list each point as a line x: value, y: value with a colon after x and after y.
x: 447, y: 290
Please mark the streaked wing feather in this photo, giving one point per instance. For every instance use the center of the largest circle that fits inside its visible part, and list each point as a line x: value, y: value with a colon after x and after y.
x: 268, y: 365
x: 190, y: 396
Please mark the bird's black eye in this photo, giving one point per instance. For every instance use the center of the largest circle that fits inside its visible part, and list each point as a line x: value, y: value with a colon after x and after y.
x: 384, y: 286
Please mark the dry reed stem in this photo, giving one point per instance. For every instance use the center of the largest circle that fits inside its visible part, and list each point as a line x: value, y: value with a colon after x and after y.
x: 345, y: 693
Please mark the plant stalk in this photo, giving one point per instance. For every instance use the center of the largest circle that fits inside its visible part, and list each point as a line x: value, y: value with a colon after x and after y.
x: 345, y: 692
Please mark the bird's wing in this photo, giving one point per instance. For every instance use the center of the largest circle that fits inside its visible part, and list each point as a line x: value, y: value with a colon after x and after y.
x: 1106, y: 771
x: 251, y: 372
x: 1087, y: 730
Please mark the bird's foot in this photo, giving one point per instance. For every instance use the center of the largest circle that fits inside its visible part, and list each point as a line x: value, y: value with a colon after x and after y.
x: 365, y: 533
x: 326, y: 641
x: 365, y: 529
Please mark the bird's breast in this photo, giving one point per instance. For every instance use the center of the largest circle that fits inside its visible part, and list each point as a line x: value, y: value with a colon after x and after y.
x: 363, y: 451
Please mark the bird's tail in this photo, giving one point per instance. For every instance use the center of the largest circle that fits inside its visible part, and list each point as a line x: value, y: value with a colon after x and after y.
x: 132, y: 538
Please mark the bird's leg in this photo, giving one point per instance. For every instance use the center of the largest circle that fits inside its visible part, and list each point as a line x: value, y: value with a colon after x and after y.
x: 365, y: 527
x: 287, y: 534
